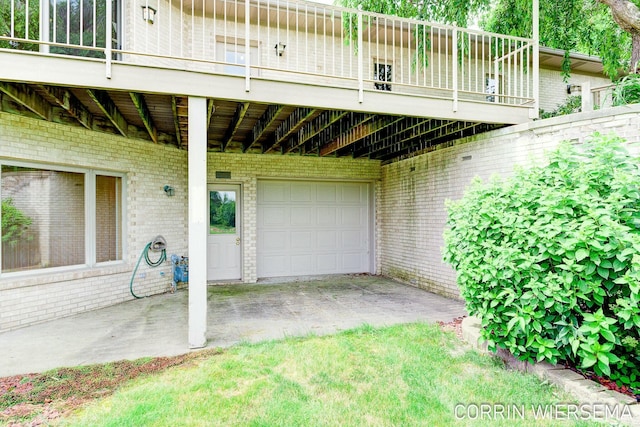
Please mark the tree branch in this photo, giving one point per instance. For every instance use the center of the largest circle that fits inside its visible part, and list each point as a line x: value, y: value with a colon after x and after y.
x: 625, y: 13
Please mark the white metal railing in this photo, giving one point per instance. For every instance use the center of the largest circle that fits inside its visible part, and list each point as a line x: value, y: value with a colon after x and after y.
x: 282, y: 40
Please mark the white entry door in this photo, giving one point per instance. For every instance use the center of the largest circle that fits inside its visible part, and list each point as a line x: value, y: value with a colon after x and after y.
x: 224, y: 243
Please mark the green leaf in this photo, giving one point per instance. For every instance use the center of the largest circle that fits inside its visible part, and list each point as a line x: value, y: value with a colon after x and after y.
x: 588, y: 361
x: 604, y: 367
x: 581, y: 254
x: 603, y: 272
x: 607, y: 335
x: 618, y: 265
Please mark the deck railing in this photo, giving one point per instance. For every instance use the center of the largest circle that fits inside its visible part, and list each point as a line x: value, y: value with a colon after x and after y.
x: 282, y: 40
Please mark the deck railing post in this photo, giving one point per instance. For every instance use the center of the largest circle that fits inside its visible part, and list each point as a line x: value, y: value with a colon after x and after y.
x: 44, y: 26
x: 587, y: 97
x: 496, y: 76
x: 360, y: 59
x: 108, y: 36
x: 454, y: 66
x: 247, y: 45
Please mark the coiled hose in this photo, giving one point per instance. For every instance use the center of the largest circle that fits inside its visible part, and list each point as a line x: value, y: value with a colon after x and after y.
x: 156, y: 245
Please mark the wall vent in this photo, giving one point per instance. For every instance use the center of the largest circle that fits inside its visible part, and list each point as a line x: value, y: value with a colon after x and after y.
x: 223, y: 175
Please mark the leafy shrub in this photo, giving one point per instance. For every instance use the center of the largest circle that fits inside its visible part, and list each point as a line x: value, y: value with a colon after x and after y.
x: 573, y: 104
x: 14, y: 222
x: 627, y: 90
x: 550, y: 259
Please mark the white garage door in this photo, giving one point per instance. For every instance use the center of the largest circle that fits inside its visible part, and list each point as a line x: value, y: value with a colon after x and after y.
x: 307, y: 228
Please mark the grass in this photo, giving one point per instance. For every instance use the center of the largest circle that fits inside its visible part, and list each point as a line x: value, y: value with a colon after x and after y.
x: 402, y: 375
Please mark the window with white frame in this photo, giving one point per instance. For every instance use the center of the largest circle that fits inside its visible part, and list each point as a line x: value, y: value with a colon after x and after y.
x: 234, y: 56
x: 55, y: 217
x: 382, y: 72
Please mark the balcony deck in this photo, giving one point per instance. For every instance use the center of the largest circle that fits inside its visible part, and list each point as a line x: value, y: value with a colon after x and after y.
x: 295, y: 77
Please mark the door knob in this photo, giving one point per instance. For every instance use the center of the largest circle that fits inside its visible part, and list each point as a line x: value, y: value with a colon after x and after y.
x: 237, y: 241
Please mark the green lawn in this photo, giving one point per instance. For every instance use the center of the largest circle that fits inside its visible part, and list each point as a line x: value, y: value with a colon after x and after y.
x: 401, y: 375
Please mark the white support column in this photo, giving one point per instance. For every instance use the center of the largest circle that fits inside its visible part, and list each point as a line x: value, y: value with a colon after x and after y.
x: 197, y: 222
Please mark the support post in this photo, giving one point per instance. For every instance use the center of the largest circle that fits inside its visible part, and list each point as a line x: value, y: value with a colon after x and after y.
x: 197, y: 158
x: 535, y: 112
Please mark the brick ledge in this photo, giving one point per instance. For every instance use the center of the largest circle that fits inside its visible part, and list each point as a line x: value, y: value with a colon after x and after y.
x: 586, y: 391
x: 46, y: 278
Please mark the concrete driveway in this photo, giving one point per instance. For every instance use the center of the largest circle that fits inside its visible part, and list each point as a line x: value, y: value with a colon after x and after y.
x: 157, y: 326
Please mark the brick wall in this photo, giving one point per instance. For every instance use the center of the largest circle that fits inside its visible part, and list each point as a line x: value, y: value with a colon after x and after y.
x: 33, y: 297
x: 553, y: 89
x: 248, y: 168
x: 409, y: 207
x: 414, y: 191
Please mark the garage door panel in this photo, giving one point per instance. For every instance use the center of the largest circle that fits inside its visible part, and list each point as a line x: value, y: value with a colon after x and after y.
x: 300, y: 264
x: 327, y: 240
x: 307, y: 228
x: 351, y: 216
x: 274, y: 216
x: 302, y: 216
x: 302, y: 240
x: 327, y: 263
x: 274, y: 241
x: 351, y: 193
x: 352, y: 262
x: 276, y: 265
x: 326, y: 192
x: 274, y: 192
x: 326, y: 216
x: 352, y: 239
x: 300, y: 192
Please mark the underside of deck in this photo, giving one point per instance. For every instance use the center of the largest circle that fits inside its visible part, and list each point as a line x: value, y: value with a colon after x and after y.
x: 274, y: 117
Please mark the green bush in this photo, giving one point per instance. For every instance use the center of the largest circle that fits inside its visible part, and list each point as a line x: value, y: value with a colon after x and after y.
x: 550, y: 259
x: 573, y: 104
x: 627, y: 90
x: 14, y: 222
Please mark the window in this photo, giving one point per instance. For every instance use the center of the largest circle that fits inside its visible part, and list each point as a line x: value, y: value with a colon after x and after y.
x: 108, y: 218
x: 58, y: 218
x: 234, y: 57
x: 222, y: 212
x: 382, y: 73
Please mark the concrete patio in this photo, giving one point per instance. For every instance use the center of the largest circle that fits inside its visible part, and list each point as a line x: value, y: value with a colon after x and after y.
x: 157, y: 326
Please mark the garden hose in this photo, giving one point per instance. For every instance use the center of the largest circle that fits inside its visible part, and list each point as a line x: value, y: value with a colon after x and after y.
x: 157, y: 245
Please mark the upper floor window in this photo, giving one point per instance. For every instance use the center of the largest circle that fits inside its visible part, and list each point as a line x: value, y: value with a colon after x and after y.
x: 59, y: 218
x: 382, y: 73
x: 233, y: 55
